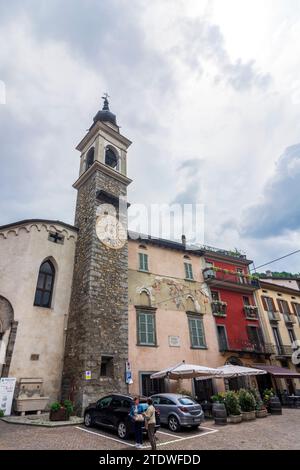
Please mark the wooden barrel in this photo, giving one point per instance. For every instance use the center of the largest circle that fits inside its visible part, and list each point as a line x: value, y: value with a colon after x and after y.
x: 219, y: 414
x: 275, y: 407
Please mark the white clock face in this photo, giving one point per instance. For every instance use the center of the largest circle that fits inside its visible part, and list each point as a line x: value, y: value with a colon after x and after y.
x: 110, y: 231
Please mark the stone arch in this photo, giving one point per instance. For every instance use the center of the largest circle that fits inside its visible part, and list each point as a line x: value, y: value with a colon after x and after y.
x: 6, y: 314
x: 234, y: 361
x: 90, y: 157
x: 8, y: 326
x: 145, y: 298
x: 111, y: 157
x: 190, y: 304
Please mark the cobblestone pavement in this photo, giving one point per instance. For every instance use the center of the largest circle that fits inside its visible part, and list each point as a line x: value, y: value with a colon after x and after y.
x: 274, y: 432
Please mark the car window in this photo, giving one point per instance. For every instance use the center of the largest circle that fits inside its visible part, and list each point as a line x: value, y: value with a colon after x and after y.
x: 116, y: 403
x: 104, y: 402
x: 127, y: 403
x: 156, y: 400
x: 187, y: 401
x: 165, y: 401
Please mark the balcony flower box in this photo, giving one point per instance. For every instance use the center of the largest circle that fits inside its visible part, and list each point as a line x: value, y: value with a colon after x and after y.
x: 219, y: 308
x: 251, y: 312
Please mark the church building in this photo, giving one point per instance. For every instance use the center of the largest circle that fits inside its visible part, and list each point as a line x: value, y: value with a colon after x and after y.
x: 92, y: 309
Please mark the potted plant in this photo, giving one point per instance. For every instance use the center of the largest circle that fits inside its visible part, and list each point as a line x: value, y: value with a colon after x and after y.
x: 247, y: 404
x: 233, y: 407
x: 260, y: 409
x: 1, y: 413
x: 61, y: 411
x: 267, y: 395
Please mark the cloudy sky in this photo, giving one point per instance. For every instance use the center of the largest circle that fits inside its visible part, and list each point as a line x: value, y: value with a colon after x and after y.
x: 208, y: 91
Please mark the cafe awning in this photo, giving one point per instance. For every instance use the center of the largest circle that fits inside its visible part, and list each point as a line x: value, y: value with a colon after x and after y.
x: 279, y: 372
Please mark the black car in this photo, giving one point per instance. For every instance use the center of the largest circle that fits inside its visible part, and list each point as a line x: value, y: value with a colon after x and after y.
x: 112, y: 412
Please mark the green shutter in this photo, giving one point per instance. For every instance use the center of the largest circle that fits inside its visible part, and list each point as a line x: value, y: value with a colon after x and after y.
x: 188, y: 271
x: 143, y: 261
x: 197, y: 333
x: 146, y: 329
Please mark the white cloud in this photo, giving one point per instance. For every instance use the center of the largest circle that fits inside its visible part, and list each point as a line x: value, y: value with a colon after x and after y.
x: 189, y: 80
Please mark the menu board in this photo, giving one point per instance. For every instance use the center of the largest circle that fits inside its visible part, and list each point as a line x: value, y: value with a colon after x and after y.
x: 7, y: 388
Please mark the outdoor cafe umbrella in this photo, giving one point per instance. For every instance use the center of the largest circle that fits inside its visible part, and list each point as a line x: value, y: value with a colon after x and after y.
x: 185, y: 371
x: 229, y: 371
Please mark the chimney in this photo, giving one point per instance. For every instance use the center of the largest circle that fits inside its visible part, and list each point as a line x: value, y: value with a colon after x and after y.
x: 183, y: 240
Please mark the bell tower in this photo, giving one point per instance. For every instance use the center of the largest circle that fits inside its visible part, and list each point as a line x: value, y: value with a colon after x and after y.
x: 96, y: 347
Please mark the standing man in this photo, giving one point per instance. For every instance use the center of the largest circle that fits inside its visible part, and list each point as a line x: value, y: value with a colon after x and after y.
x: 150, y: 422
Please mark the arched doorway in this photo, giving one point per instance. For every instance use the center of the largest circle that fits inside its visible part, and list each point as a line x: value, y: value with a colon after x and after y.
x: 8, y: 332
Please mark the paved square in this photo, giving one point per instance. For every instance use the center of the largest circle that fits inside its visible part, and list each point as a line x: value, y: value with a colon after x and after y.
x: 271, y: 433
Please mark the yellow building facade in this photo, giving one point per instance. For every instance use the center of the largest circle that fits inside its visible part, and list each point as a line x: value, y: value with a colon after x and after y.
x: 279, y: 307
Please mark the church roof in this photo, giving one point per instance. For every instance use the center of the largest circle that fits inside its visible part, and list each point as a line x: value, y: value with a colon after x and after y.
x: 46, y: 221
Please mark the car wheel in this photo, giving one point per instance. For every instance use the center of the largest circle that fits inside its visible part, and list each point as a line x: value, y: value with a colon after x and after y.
x: 88, y: 420
x: 174, y: 424
x: 122, y: 430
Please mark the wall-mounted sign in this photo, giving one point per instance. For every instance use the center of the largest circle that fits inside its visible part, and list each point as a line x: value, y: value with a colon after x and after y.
x: 7, y: 388
x: 128, y: 373
x: 174, y: 341
x: 88, y: 375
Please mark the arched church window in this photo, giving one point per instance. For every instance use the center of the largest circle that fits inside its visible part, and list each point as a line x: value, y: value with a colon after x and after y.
x: 111, y: 158
x: 44, y: 288
x: 90, y: 158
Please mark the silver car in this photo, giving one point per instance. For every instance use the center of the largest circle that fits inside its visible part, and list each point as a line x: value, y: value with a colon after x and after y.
x: 178, y: 410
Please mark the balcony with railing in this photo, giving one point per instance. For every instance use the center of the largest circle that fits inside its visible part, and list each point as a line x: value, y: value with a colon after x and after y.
x: 274, y: 317
x: 289, y: 319
x: 251, y: 312
x: 247, y: 347
x: 219, y: 309
x: 222, y: 278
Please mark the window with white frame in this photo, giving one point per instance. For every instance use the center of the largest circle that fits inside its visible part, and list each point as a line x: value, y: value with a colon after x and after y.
x: 197, y: 332
x: 143, y: 262
x: 188, y: 271
x: 146, y: 333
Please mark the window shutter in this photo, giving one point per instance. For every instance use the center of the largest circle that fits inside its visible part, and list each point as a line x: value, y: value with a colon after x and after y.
x: 264, y: 302
x: 279, y: 305
x: 145, y: 262
x: 288, y: 308
x: 273, y: 305
x: 186, y: 270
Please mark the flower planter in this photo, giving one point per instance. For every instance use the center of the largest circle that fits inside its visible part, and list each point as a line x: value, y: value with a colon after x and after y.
x: 248, y: 415
x: 59, y: 415
x: 235, y: 419
x: 261, y: 413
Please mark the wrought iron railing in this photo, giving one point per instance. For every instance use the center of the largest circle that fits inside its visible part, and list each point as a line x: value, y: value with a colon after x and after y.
x: 230, y: 277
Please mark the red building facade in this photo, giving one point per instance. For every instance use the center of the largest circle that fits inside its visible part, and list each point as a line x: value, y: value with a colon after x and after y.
x: 233, y: 305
